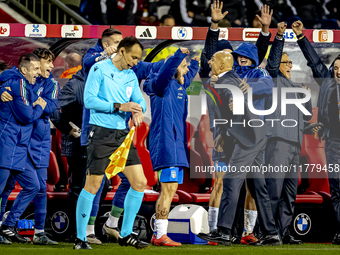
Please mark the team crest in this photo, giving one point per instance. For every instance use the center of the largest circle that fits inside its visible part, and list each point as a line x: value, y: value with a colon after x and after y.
x: 173, y: 174
x: 39, y: 92
x: 128, y: 91
x: 302, y: 224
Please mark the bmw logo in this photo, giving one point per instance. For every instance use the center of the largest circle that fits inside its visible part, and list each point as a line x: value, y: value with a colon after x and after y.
x: 302, y: 224
x: 182, y: 33
x: 60, y: 222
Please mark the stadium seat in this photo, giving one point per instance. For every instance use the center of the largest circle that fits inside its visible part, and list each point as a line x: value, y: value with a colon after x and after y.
x: 53, y: 176
x: 309, y: 198
x: 189, y: 191
x: 313, y: 153
x: 190, y: 133
x: 144, y: 155
x: 62, y: 161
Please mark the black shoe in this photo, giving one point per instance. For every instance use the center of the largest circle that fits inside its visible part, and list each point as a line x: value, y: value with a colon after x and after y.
x: 235, y: 240
x: 336, y: 239
x: 267, y: 240
x: 81, y: 245
x: 217, y: 237
x: 132, y: 240
x: 12, y: 235
x: 290, y: 240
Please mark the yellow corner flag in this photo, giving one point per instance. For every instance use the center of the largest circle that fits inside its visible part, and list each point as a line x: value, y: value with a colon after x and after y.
x: 119, y: 157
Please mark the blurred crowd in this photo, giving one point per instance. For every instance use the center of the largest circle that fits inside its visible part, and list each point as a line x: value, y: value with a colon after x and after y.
x: 241, y: 13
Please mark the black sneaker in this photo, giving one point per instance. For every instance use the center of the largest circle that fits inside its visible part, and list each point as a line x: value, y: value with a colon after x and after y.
x: 268, y: 240
x: 132, y: 240
x: 12, y: 235
x: 217, y: 237
x: 235, y: 240
x: 81, y: 245
x: 288, y: 239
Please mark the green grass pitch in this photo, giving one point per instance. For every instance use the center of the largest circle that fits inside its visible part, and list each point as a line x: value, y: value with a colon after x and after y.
x: 115, y: 249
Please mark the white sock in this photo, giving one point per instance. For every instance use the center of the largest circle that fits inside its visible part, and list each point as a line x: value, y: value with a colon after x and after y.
x: 246, y: 222
x: 89, y: 230
x: 112, y: 222
x: 0, y: 223
x: 38, y: 231
x: 212, y: 217
x: 161, y: 227
x: 252, y: 220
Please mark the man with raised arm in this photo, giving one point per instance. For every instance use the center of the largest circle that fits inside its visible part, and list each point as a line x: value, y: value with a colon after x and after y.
x: 212, y: 45
x: 284, y: 143
x: 168, y: 132
x: 328, y: 114
x: 250, y: 143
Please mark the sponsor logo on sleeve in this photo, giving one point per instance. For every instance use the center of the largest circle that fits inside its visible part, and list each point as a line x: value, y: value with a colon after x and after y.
x: 128, y: 91
x: 71, y: 31
x: 35, y: 30
x: 181, y: 33
x: 143, y: 32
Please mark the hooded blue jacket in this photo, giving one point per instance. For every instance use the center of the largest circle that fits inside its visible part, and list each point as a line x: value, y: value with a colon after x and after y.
x: 257, y: 78
x: 16, y: 120
x: 40, y: 145
x: 169, y: 110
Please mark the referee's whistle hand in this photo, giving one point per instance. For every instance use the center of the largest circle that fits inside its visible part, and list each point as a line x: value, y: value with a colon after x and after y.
x: 131, y: 107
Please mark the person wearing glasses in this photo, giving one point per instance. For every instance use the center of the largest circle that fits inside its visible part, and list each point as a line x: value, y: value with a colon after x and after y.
x: 284, y: 143
x: 328, y: 114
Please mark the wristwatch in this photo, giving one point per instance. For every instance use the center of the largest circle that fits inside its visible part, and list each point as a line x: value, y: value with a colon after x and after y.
x: 116, y: 106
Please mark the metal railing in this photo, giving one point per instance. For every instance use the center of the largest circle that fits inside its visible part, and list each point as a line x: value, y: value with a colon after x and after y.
x: 49, y: 12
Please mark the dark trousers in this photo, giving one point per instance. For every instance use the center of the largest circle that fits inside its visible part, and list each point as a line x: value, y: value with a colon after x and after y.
x: 233, y: 181
x: 332, y: 149
x: 238, y: 225
x: 282, y: 186
x: 76, y: 172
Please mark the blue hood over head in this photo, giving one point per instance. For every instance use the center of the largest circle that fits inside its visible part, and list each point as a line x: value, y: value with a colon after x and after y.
x: 10, y: 74
x: 248, y: 50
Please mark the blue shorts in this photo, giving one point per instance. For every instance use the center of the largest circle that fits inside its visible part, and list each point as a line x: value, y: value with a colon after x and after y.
x: 171, y: 174
x: 220, y: 166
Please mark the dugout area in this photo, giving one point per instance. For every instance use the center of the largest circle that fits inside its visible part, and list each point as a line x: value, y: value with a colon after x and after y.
x: 314, y: 219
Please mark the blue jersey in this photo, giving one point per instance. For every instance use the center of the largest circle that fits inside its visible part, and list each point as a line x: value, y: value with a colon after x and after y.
x: 106, y: 85
x: 16, y: 120
x: 40, y: 145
